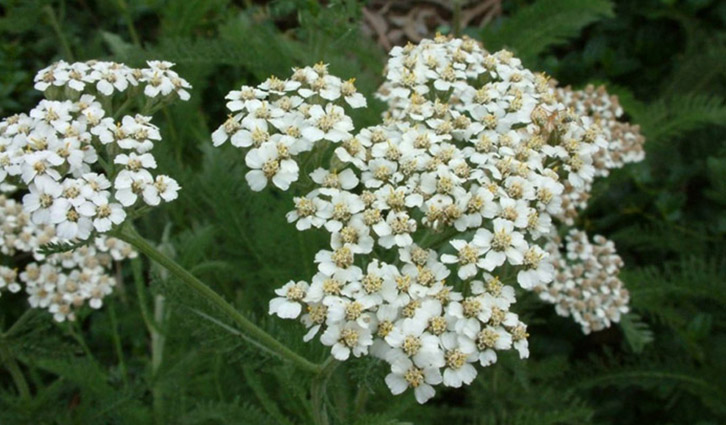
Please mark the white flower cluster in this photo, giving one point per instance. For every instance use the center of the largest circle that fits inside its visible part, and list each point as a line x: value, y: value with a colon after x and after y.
x: 586, y: 285
x: 158, y: 80
x: 60, y: 283
x: 625, y: 143
x: 279, y: 120
x: 83, y: 167
x: 468, y: 164
x: 431, y: 213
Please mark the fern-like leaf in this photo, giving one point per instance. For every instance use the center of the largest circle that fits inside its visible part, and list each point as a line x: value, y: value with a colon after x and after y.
x: 637, y: 333
x: 545, y: 23
x: 61, y: 247
x: 669, y: 118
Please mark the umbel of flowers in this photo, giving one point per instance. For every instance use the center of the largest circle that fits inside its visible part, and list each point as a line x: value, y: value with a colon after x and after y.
x: 433, y: 215
x: 81, y: 162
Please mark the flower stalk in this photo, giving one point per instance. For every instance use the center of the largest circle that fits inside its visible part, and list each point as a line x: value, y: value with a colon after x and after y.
x: 129, y: 235
x: 317, y: 391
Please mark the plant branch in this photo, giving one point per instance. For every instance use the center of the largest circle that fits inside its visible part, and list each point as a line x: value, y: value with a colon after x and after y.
x: 129, y: 235
x: 317, y: 391
x: 14, y: 369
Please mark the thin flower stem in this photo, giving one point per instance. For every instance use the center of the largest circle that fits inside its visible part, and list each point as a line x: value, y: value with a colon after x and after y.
x: 158, y: 341
x: 457, y: 18
x: 141, y: 296
x: 116, y: 338
x: 14, y: 369
x: 317, y: 391
x: 129, y: 235
x: 27, y: 315
x: 53, y: 20
x: 74, y: 329
x: 129, y: 22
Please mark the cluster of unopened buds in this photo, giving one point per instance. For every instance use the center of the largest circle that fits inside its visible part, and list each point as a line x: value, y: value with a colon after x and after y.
x: 434, y: 215
x: 586, y: 284
x: 624, y: 141
x: 81, y: 163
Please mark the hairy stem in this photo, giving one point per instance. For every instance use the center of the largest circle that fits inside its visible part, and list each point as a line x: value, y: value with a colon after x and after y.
x: 317, y: 391
x: 129, y: 235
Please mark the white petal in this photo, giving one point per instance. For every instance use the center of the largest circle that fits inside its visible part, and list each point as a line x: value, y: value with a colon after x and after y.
x: 396, y: 383
x: 256, y: 179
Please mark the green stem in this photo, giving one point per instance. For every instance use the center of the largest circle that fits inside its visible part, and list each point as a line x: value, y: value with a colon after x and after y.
x: 136, y: 269
x: 173, y: 133
x: 360, y: 400
x: 121, y: 110
x: 22, y: 385
x: 317, y: 391
x: 75, y: 331
x: 129, y: 22
x: 456, y: 24
x: 128, y: 234
x: 53, y: 20
x: 117, y: 343
x: 158, y: 341
x: 27, y: 315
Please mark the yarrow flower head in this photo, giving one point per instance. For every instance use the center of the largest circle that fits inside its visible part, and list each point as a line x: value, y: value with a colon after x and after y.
x: 280, y: 120
x: 84, y: 169
x: 624, y: 141
x: 428, y: 212
x: 80, y: 168
x: 60, y: 283
x: 586, y: 284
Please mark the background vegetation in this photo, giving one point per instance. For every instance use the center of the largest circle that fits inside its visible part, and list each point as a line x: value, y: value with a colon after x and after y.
x: 180, y: 363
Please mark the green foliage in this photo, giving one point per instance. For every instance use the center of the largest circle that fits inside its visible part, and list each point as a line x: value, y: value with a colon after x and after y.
x: 531, y: 30
x: 158, y: 354
x: 666, y: 119
x: 636, y: 332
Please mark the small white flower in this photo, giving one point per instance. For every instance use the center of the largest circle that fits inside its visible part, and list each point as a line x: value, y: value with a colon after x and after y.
x: 129, y: 184
x: 405, y: 374
x: 504, y: 244
x: 135, y: 162
x: 307, y: 212
x: 396, y: 230
x: 266, y: 165
x: 468, y: 258
x: 72, y: 222
x: 347, y: 338
x: 44, y: 191
x: 107, y: 214
x: 163, y: 187
x: 338, y: 263
x: 330, y: 123
x: 459, y: 370
x: 287, y: 305
x: 345, y: 180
